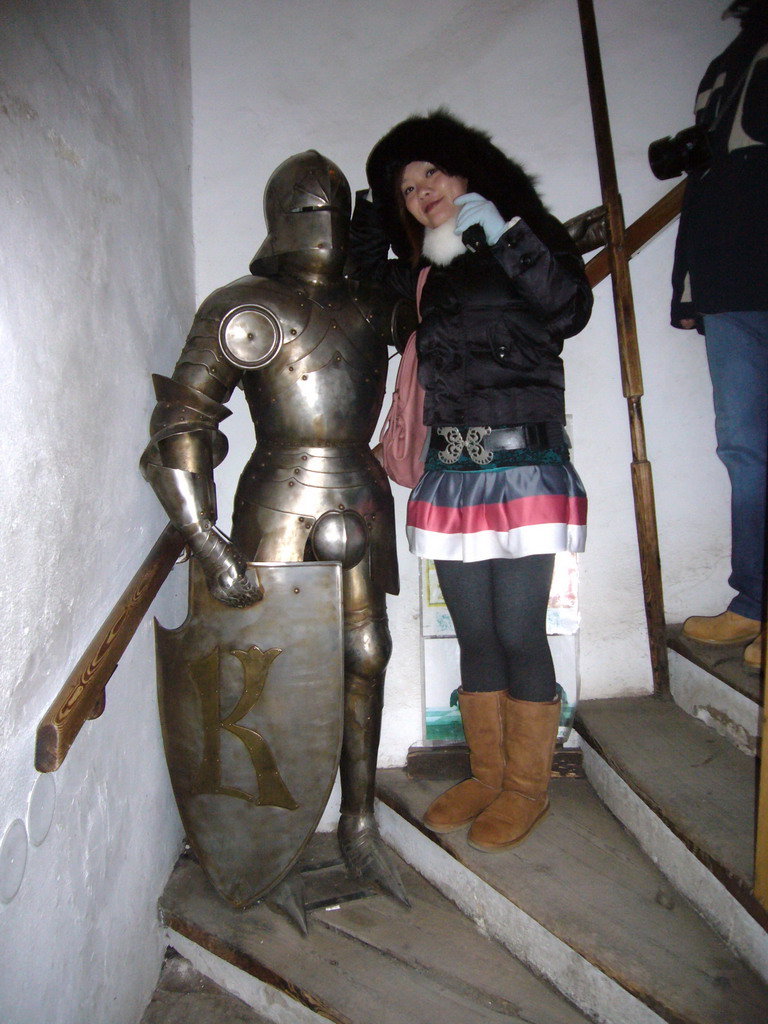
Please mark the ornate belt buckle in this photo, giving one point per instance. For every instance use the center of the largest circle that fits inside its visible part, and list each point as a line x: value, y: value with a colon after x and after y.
x: 456, y: 443
x: 476, y: 450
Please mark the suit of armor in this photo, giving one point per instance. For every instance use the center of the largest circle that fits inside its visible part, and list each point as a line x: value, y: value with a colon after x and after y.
x: 310, y: 353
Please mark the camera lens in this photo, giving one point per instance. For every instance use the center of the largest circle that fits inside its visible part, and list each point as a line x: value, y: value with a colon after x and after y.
x: 663, y: 159
x: 688, y: 151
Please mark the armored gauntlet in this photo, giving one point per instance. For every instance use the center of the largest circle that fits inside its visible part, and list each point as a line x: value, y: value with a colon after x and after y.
x: 178, y: 463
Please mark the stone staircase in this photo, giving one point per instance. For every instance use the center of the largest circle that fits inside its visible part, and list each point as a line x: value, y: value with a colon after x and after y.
x: 630, y: 904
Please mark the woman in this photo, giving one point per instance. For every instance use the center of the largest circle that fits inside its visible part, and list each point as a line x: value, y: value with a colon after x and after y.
x: 499, y: 495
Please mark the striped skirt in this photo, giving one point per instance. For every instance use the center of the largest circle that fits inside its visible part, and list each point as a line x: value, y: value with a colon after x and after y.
x: 499, y: 513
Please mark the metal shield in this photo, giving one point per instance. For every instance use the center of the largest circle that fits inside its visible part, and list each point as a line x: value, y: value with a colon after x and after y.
x: 251, y: 704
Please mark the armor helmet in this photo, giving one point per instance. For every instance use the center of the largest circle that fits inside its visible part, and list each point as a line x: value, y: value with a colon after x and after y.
x: 307, y: 206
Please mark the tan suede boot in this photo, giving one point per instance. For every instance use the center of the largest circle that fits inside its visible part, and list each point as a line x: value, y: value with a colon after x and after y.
x: 726, y: 628
x: 482, y: 715
x: 530, y: 733
x: 755, y: 652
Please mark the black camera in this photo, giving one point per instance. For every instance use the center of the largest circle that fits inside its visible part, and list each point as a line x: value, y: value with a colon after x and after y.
x: 689, y: 150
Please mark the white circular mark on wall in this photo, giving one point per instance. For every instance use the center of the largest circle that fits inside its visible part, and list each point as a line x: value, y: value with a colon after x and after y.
x: 13, y: 859
x: 42, y: 803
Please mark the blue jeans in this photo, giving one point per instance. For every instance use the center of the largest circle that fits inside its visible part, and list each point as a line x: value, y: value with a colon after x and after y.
x: 737, y: 350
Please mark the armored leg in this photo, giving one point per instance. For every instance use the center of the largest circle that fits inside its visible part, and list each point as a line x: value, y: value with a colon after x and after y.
x: 367, y: 650
x: 287, y: 898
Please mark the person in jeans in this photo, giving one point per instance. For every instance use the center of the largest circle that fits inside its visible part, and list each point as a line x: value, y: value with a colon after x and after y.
x: 720, y: 288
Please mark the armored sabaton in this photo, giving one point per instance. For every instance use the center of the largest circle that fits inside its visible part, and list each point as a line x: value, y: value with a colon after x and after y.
x: 311, y: 360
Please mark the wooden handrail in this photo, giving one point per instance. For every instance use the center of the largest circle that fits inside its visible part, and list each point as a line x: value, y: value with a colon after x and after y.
x: 82, y: 696
x: 639, y: 232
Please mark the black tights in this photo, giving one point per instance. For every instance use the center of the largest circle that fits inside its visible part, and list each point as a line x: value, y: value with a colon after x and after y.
x: 499, y: 610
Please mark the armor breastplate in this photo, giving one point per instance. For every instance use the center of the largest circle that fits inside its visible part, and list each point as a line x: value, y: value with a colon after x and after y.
x: 325, y: 385
x: 314, y: 406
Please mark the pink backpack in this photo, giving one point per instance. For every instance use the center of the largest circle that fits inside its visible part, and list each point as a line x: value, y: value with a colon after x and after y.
x: 403, y: 437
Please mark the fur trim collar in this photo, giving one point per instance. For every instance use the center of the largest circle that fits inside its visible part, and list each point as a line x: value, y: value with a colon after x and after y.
x: 442, y: 245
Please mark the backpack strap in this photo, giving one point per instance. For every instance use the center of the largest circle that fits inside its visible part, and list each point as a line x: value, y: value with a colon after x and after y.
x: 420, y: 288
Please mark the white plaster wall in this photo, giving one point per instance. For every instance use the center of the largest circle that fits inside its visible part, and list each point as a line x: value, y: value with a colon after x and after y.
x: 95, y: 293
x: 278, y: 76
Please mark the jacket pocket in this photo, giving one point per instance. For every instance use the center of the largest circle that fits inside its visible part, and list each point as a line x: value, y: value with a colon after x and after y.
x: 519, y: 342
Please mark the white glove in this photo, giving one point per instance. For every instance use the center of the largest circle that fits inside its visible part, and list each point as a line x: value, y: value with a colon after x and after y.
x: 473, y: 209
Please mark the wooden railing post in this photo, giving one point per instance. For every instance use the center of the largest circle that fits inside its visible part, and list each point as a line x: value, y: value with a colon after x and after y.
x: 631, y: 374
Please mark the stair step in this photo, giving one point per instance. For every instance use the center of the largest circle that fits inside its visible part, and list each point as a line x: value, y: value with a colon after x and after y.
x: 724, y: 661
x: 691, y: 804
x: 581, y: 904
x: 696, y: 782
x: 712, y: 683
x: 184, y: 996
x: 367, y: 960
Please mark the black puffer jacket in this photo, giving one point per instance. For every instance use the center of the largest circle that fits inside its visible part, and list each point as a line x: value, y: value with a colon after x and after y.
x: 493, y: 322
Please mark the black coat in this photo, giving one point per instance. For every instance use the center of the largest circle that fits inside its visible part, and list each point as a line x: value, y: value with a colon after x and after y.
x: 721, y: 256
x: 493, y: 322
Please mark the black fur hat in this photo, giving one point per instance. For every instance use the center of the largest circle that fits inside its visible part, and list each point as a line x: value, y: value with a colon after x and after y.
x: 457, y: 149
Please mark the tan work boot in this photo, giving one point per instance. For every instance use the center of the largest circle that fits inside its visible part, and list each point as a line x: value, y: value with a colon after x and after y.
x: 755, y: 652
x: 482, y: 715
x: 530, y: 733
x: 726, y: 628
